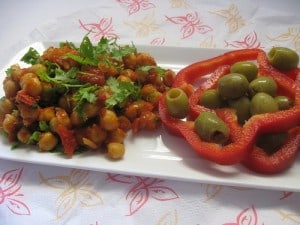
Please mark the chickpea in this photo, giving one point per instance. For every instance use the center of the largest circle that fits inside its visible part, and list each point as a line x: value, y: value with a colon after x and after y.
x: 29, y: 114
x: 6, y: 106
x: 65, y: 102
x: 107, y: 69
x: 76, y: 120
x: 90, y: 110
x: 89, y: 143
x: 148, y: 120
x: 9, y: 123
x: 31, y: 84
x: 47, y: 141
x: 123, y: 78
x: 136, y: 108
x: 92, y: 136
x: 187, y: 88
x: 130, y: 61
x: 17, y: 72
x: 149, y: 93
x: 37, y: 68
x: 96, y: 134
x: 63, y: 117
x: 108, y: 120
x: 23, y: 135
x: 10, y: 87
x: 124, y: 123
x: 47, y: 92
x: 46, y: 114
x: 169, y: 77
x: 144, y: 59
x: 117, y: 136
x: 115, y: 150
x: 130, y: 74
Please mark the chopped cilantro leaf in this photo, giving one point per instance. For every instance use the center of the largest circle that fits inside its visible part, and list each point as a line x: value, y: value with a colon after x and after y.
x: 122, y: 91
x: 58, y: 76
x: 31, y: 57
x: 9, y: 71
x: 106, y: 48
x: 44, y: 126
x: 160, y: 71
x: 35, y: 137
x: 85, y: 94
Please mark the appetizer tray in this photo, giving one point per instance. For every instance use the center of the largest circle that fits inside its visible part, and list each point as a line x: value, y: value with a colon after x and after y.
x: 155, y: 154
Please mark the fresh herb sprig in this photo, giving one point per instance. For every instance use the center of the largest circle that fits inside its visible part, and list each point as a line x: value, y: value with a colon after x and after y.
x: 85, y: 94
x: 159, y: 70
x: 104, y: 51
x: 31, y: 56
x: 121, y: 92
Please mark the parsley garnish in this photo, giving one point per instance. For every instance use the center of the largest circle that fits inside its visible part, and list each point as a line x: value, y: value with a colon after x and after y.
x: 31, y: 57
x: 121, y: 92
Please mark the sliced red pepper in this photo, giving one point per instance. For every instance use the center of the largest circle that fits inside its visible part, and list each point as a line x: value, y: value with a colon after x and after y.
x: 23, y: 97
x: 259, y: 161
x: 68, y: 140
x: 242, y: 139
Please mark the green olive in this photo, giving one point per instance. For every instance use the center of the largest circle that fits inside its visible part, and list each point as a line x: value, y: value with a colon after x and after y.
x: 211, y: 128
x: 211, y: 99
x: 283, y: 58
x: 270, y: 143
x: 284, y: 102
x: 248, y: 69
x: 177, y: 103
x: 233, y: 85
x: 263, y: 84
x: 242, y: 107
x: 263, y: 103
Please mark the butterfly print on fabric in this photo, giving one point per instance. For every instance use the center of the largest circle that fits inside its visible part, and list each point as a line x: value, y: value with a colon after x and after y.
x: 190, y: 23
x: 134, y: 6
x: 10, y: 192
x: 103, y: 28
x: 142, y: 190
x: 73, y: 189
x: 249, y: 41
x: 247, y: 216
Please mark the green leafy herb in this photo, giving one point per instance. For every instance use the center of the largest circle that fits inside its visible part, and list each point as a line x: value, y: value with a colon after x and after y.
x: 122, y: 91
x: 9, y: 71
x: 35, y: 137
x: 15, y: 145
x: 56, y: 75
x: 106, y: 48
x: 85, y: 94
x: 44, y: 126
x: 159, y: 70
x: 68, y: 43
x: 31, y: 57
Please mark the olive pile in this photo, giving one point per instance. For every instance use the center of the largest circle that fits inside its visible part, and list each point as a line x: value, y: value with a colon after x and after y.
x: 249, y: 95
x: 246, y: 92
x: 243, y: 91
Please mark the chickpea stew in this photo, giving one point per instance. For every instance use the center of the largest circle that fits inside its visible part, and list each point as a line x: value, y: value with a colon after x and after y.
x: 73, y: 98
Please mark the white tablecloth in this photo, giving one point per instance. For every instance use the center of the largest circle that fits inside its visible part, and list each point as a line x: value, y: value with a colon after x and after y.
x: 41, y: 194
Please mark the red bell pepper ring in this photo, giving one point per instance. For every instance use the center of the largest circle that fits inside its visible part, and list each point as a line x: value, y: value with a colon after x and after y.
x: 242, y: 139
x: 260, y: 162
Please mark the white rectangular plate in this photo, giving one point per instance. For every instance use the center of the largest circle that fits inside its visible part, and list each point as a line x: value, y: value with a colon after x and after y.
x: 157, y: 154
